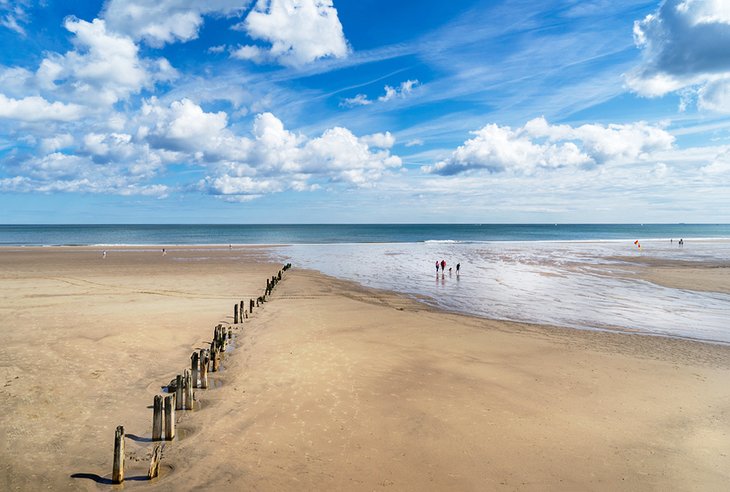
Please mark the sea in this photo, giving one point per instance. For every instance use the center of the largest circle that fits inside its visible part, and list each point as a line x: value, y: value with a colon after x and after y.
x: 570, y: 275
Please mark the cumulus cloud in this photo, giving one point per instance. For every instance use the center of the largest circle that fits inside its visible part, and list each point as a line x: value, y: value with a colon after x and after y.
x: 299, y: 31
x: 35, y: 108
x: 59, y: 172
x: 539, y: 145
x: 380, y: 140
x: 685, y: 43
x: 104, y: 68
x: 159, y: 22
x: 402, y: 91
x: 56, y: 143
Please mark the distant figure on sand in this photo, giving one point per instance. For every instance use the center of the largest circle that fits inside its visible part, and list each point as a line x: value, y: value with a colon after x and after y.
x: 103, y: 254
x: 164, y: 252
x: 443, y: 265
x: 437, y: 267
x: 458, y: 266
x: 681, y: 242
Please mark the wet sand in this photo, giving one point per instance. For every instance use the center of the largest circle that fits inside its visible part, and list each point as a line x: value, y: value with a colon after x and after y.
x: 331, y: 386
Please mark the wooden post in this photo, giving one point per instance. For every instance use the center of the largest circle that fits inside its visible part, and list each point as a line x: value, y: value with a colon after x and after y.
x: 214, y: 359
x: 170, y: 417
x: 179, y: 393
x: 241, y: 312
x: 155, y: 462
x: 204, y: 359
x: 195, y: 359
x: 250, y: 305
x: 188, y: 390
x: 235, y: 314
x: 230, y: 333
x: 118, y: 470
x: 157, y: 419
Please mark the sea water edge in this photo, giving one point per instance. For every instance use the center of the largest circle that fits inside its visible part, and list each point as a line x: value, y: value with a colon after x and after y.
x: 564, y: 275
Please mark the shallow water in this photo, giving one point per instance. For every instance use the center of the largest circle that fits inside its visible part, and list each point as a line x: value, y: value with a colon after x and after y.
x: 571, y: 284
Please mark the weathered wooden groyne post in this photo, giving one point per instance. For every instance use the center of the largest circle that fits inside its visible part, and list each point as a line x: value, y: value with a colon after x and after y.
x: 195, y: 367
x: 157, y: 418
x: 235, y: 314
x: 203, y: 361
x: 154, y: 469
x: 118, y: 467
x: 170, y: 417
x: 188, y: 383
x: 179, y: 392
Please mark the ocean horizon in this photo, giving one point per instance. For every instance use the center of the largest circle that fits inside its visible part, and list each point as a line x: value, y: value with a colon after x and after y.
x: 194, y: 234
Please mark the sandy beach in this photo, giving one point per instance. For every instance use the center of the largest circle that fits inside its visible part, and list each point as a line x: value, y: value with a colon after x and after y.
x: 331, y: 386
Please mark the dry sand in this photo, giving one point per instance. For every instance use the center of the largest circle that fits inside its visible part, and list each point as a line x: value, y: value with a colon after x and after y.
x: 335, y: 387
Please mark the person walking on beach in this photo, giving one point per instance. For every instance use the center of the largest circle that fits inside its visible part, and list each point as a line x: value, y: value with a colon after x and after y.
x: 103, y: 254
x: 437, y: 267
x: 458, y: 266
x: 443, y: 265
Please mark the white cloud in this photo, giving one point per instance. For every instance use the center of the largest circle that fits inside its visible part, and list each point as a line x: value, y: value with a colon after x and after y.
x: 715, y: 95
x: 359, y: 100
x: 251, y: 53
x: 343, y: 157
x: 402, y: 91
x: 13, y: 14
x: 299, y: 31
x: 56, y: 143
x: 270, y: 159
x: 35, y: 108
x: 380, y: 140
x: 104, y: 68
x: 685, y: 43
x: 416, y: 142
x: 158, y: 22
x: 539, y: 145
x: 719, y: 166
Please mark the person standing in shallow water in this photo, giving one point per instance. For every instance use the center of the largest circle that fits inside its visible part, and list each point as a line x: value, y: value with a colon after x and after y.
x: 458, y: 266
x: 437, y: 267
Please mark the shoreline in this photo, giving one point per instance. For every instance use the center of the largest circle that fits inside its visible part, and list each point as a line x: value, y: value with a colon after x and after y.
x: 332, y: 385
x: 651, y: 240
x: 712, y: 276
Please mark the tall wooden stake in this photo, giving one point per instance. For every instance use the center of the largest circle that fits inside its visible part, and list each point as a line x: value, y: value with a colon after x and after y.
x: 188, y: 390
x: 179, y: 402
x: 157, y: 419
x: 118, y: 470
x: 169, y: 417
x: 204, y: 359
x: 195, y: 363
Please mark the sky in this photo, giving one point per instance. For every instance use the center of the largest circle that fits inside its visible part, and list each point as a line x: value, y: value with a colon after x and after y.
x: 367, y: 111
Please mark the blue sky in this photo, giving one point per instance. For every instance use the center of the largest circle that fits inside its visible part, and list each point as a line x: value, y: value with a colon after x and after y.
x: 320, y: 111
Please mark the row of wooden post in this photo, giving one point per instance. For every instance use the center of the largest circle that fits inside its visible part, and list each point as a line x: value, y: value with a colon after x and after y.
x: 202, y: 362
